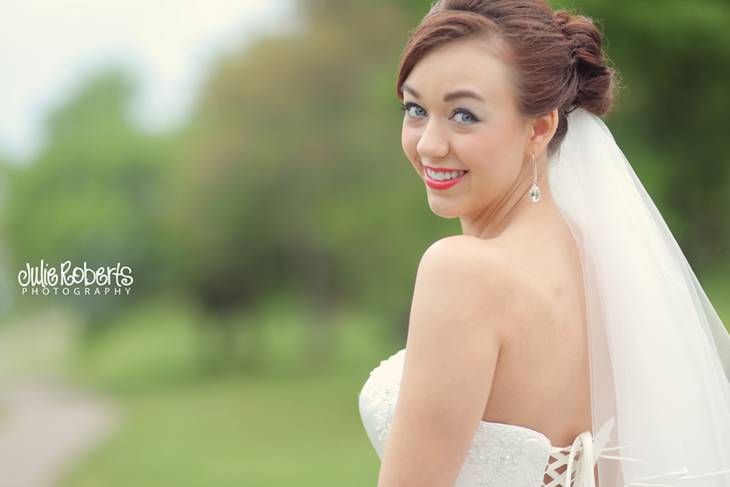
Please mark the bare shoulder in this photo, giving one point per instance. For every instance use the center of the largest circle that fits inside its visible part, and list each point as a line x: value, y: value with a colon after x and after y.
x: 471, y: 258
x: 472, y: 277
x: 453, y: 345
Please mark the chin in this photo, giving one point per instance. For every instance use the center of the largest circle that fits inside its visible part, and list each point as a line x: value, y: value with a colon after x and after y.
x: 444, y: 211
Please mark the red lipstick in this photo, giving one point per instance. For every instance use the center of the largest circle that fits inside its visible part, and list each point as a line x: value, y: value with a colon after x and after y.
x: 445, y: 184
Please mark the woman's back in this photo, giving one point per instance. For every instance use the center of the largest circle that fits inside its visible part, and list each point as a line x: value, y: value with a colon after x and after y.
x: 541, y: 380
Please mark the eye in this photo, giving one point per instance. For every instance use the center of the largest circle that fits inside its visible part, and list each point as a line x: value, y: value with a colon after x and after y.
x: 467, y: 118
x: 412, y: 110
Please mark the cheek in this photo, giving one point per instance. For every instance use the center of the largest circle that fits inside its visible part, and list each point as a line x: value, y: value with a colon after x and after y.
x: 488, y: 156
x: 480, y: 151
x: 491, y: 149
x: 409, y: 140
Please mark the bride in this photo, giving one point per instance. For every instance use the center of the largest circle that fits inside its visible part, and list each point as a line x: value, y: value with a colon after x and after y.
x: 563, y: 339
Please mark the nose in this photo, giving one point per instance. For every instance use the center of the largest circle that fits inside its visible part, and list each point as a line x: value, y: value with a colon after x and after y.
x: 432, y: 143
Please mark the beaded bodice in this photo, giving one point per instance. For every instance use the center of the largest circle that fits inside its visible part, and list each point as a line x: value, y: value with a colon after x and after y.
x: 500, y: 454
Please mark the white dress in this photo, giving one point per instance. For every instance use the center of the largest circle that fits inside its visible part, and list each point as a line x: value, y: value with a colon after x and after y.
x: 501, y: 455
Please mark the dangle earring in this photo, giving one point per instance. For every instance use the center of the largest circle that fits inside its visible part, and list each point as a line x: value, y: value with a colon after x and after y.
x: 534, y: 192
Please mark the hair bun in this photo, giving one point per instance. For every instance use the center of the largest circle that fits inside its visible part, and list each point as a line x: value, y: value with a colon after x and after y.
x: 596, y: 78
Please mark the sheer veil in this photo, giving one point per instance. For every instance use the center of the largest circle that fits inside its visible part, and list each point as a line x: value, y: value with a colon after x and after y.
x: 659, y: 353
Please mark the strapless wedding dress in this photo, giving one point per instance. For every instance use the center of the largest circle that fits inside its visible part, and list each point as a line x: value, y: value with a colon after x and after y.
x: 500, y: 455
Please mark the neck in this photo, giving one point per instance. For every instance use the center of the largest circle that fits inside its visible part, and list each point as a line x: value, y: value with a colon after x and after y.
x: 514, y: 207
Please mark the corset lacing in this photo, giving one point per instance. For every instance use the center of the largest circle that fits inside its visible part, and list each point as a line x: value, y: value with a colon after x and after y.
x: 591, y: 450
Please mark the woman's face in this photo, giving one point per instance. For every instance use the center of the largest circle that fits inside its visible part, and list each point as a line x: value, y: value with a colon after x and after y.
x: 461, y: 115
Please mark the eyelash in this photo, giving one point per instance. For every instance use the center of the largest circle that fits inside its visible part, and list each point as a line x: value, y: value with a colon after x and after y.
x: 405, y: 106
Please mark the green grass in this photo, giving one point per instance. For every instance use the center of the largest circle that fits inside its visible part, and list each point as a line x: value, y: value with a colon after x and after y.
x: 285, y: 423
x: 36, y: 344
x: 237, y: 432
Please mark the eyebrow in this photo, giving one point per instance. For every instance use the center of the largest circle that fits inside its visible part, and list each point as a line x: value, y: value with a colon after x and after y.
x: 448, y: 96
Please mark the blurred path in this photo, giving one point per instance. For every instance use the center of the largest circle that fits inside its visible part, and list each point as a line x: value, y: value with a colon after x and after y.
x: 45, y: 427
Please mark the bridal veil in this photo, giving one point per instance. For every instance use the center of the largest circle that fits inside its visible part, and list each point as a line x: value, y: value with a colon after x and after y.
x: 659, y: 353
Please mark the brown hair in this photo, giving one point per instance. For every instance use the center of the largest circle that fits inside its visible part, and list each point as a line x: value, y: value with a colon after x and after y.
x: 557, y: 55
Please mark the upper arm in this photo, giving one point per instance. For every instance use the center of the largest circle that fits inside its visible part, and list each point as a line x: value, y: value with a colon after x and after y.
x: 455, y: 333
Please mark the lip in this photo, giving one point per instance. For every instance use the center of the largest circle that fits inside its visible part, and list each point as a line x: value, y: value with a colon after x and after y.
x: 434, y: 184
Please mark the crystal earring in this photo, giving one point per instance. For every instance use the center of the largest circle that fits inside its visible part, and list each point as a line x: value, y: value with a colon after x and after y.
x: 534, y: 193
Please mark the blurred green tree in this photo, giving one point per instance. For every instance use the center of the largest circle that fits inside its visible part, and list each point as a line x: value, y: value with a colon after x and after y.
x: 92, y: 195
x: 294, y: 173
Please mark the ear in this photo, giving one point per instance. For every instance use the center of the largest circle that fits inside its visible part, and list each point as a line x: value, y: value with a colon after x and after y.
x: 541, y: 132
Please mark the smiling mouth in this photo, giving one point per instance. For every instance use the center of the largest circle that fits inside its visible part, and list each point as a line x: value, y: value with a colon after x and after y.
x: 444, y: 174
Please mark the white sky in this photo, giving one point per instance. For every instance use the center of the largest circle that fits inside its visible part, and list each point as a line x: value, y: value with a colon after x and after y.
x: 48, y: 46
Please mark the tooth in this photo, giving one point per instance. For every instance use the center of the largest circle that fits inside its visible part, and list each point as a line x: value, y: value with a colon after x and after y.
x: 444, y: 175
